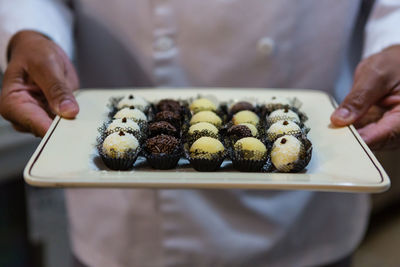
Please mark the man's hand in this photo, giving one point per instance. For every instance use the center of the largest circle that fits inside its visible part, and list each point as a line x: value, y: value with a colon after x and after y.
x: 38, y: 84
x: 373, y: 104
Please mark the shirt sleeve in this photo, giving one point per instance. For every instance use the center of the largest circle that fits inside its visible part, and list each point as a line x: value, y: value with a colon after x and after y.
x: 52, y: 18
x: 382, y: 29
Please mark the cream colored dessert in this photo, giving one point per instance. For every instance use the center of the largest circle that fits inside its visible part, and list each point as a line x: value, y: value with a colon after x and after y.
x: 202, y: 104
x: 252, y: 128
x: 206, y: 116
x: 123, y: 124
x: 245, y: 116
x: 133, y: 100
x: 251, y: 144
x: 130, y: 113
x: 278, y: 100
x: 205, y: 147
x: 285, y: 152
x: 116, y: 145
x: 283, y: 127
x: 203, y: 126
x: 284, y: 114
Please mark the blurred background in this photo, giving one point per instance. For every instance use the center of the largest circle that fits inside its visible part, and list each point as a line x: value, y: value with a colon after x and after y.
x: 34, y: 228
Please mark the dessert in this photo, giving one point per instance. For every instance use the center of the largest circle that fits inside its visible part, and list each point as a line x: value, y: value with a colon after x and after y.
x: 133, y: 100
x: 251, y: 148
x: 162, y: 127
x: 206, y: 147
x: 124, y: 124
x: 252, y: 128
x: 239, y: 132
x: 282, y: 127
x: 162, y: 144
x: 242, y: 105
x: 206, y: 116
x: 286, y: 152
x: 162, y: 151
x: 168, y: 105
x: 116, y: 145
x: 168, y: 116
x: 202, y: 104
x: 278, y: 101
x: 246, y: 116
x: 283, y: 114
x: 131, y: 113
x: 203, y: 126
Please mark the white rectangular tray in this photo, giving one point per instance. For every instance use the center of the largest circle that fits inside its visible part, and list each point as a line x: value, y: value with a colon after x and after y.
x: 341, y: 161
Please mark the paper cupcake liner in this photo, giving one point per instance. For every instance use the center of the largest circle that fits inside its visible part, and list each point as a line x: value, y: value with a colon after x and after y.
x: 304, y: 157
x: 205, y: 162
x: 241, y: 160
x: 271, y: 137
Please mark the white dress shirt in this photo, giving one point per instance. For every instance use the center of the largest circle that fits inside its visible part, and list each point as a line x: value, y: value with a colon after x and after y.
x: 232, y: 43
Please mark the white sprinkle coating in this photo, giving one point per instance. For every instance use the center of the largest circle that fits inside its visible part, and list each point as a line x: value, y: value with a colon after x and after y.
x: 285, y: 154
x: 279, y: 127
x: 118, y: 123
x: 133, y: 100
x: 285, y: 114
x: 129, y: 113
x: 116, y: 146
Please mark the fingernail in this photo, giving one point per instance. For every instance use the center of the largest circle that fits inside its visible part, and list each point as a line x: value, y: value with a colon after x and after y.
x: 67, y: 107
x: 343, y: 113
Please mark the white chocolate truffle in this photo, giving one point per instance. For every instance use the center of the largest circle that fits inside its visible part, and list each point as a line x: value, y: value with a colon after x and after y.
x: 251, y: 144
x: 203, y: 126
x: 205, y: 147
x: 206, y: 116
x: 284, y: 114
x: 123, y: 124
x: 130, y: 113
x: 278, y: 100
x: 133, y: 100
x: 285, y: 152
x: 202, y: 104
x: 116, y: 145
x: 245, y: 116
x: 252, y: 128
x: 283, y: 127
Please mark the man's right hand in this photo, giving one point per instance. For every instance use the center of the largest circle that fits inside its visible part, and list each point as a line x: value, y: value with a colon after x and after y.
x: 38, y: 84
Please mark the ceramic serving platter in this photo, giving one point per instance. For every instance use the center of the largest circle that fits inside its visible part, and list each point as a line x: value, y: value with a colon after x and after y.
x: 341, y: 161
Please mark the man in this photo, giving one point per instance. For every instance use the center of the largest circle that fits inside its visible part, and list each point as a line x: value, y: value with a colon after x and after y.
x: 291, y: 44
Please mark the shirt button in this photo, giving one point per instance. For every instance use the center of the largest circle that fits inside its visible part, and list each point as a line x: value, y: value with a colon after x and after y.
x: 266, y: 46
x: 164, y: 43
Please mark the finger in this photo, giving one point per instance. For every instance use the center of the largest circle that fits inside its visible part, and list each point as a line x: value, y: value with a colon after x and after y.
x: 50, y: 76
x: 384, y: 133
x: 370, y: 86
x: 372, y: 115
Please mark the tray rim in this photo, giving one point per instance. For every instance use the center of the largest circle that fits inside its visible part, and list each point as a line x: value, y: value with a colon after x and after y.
x: 382, y: 186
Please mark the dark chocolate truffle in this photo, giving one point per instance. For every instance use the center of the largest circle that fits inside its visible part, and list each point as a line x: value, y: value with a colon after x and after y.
x: 169, y: 105
x: 162, y: 144
x: 242, y: 105
x: 162, y: 127
x: 168, y: 116
x: 239, y: 131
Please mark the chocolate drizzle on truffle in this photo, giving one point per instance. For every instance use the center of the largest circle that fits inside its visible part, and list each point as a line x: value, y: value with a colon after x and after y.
x: 283, y: 141
x: 131, y: 107
x: 285, y: 123
x: 162, y: 144
x: 124, y: 119
x: 131, y: 97
x: 286, y: 110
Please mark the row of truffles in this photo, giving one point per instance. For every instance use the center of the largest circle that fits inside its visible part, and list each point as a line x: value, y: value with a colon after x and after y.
x: 269, y: 137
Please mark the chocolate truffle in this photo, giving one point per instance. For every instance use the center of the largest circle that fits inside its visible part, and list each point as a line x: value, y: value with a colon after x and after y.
x: 133, y: 100
x: 206, y: 147
x: 162, y: 144
x: 169, y: 105
x: 131, y: 113
x: 202, y: 104
x: 252, y: 148
x: 116, y: 145
x: 162, y: 127
x: 239, y: 106
x: 206, y: 116
x: 245, y: 116
x: 123, y: 124
x: 203, y: 126
x: 239, y: 131
x: 252, y: 128
x: 168, y: 116
x: 285, y: 152
x: 284, y: 114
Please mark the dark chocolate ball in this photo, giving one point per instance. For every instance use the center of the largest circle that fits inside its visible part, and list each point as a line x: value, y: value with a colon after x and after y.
x: 239, y: 131
x: 162, y: 144
x: 162, y: 127
x: 169, y: 105
x: 242, y: 105
x: 168, y: 116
